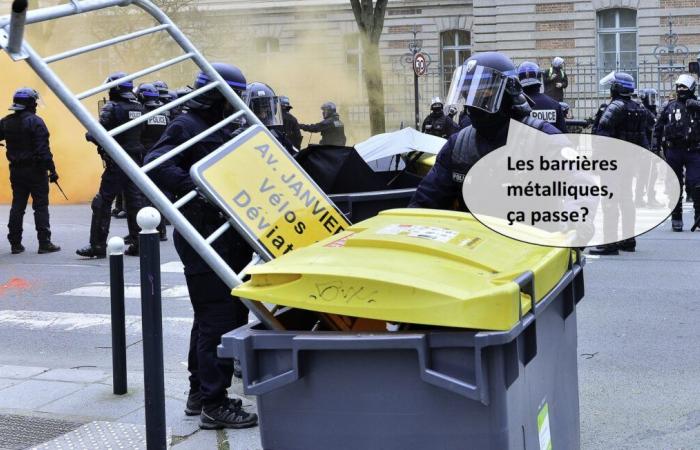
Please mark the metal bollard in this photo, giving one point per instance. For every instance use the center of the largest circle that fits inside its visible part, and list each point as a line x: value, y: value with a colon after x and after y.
x: 115, y: 247
x: 152, y: 319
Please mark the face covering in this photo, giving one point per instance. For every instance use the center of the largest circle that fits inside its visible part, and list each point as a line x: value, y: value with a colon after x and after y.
x: 683, y: 94
x: 486, y: 123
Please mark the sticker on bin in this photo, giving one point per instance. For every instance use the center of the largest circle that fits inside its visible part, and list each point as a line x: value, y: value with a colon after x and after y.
x: 543, y: 428
x: 443, y: 235
x: 339, y: 243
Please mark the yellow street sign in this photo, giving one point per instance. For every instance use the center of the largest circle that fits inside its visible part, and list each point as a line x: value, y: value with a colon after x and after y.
x: 264, y: 190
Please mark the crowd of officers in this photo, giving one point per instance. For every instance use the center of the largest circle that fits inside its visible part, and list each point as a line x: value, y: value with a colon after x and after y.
x: 32, y: 167
x: 544, y: 90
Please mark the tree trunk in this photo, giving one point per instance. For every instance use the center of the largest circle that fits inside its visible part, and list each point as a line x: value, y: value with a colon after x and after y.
x: 372, y: 71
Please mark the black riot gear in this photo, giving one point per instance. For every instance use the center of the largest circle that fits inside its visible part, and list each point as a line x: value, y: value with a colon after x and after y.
x: 122, y: 90
x: 213, y: 98
x: 24, y: 98
x: 31, y: 169
x: 116, y: 112
x: 331, y: 127
x: 543, y: 107
x: 290, y: 123
x: 677, y: 131
x: 148, y: 95
x: 437, y: 123
x: 264, y: 103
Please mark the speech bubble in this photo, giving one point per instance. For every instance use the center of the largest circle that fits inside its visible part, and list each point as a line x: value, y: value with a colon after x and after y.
x: 569, y: 190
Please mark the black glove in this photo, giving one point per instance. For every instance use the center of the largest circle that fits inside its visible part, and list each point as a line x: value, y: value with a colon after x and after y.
x: 53, y: 176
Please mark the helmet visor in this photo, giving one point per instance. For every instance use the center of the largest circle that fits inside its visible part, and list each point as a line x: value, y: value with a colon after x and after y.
x: 651, y: 98
x: 607, y: 79
x: 267, y: 109
x: 481, y: 87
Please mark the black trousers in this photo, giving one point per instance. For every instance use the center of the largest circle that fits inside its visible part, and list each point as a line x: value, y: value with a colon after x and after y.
x: 215, y: 314
x: 26, y: 181
x: 114, y: 181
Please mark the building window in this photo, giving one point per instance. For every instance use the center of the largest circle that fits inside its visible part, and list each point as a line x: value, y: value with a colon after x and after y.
x: 617, y: 41
x: 455, y: 48
x: 353, y: 56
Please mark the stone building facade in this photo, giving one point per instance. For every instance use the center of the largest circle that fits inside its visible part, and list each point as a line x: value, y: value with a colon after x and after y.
x: 593, y: 37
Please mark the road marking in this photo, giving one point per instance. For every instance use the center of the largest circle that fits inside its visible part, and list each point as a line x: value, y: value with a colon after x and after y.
x: 94, y: 323
x: 131, y: 290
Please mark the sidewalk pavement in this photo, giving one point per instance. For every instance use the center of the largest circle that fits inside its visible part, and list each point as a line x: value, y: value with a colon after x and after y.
x: 55, y: 408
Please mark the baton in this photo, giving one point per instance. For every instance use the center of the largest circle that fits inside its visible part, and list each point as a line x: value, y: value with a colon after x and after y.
x: 59, y: 188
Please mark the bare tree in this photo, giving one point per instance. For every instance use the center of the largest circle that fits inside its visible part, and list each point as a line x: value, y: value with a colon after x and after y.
x: 370, y: 21
x: 191, y: 20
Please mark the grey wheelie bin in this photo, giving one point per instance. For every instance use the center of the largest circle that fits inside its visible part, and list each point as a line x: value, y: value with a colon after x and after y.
x: 424, y: 386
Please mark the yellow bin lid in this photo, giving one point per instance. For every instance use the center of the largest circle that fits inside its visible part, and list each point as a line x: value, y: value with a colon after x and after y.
x: 416, y: 266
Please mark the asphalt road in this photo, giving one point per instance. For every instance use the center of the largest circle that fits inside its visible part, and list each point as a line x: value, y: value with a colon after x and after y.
x: 638, y: 355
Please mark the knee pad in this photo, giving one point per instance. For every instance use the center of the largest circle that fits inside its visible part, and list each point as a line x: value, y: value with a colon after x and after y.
x: 98, y: 203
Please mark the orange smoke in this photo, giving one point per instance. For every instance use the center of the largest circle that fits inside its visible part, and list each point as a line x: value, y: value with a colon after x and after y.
x: 77, y: 162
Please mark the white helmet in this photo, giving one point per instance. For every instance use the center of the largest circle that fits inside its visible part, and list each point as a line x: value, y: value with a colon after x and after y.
x: 558, y: 62
x: 687, y: 81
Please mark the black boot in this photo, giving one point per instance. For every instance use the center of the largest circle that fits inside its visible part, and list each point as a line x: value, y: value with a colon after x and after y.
x: 226, y: 415
x: 162, y: 231
x: 132, y: 250
x: 48, y: 247
x: 16, y: 248
x: 607, y: 249
x: 628, y: 245
x: 99, y: 230
x: 677, y: 223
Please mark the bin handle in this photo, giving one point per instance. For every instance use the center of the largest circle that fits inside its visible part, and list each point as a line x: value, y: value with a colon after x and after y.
x: 348, y: 342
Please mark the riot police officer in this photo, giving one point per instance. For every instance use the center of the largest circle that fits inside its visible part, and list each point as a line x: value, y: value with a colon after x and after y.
x: 215, y: 311
x: 331, y: 127
x: 626, y: 120
x: 490, y: 115
x: 555, y: 80
x: 120, y: 109
x: 264, y: 103
x: 677, y: 130
x: 544, y: 108
x: 437, y: 123
x: 31, y: 169
x: 291, y: 124
x: 151, y: 99
x: 646, y: 178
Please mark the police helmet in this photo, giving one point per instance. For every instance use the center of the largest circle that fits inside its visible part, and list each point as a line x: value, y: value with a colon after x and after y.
x: 231, y: 74
x: 436, y: 104
x: 688, y: 81
x: 24, y: 98
x: 529, y: 74
x: 285, y: 103
x: 148, y: 95
x: 264, y: 103
x: 161, y: 85
x: 123, y: 89
x: 564, y: 109
x: 648, y: 96
x: 621, y: 83
x: 483, y: 81
x: 167, y: 96
x: 558, y: 62
x: 328, y: 109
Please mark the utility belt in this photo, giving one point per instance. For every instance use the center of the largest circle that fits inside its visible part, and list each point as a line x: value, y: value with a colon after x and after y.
x: 27, y: 163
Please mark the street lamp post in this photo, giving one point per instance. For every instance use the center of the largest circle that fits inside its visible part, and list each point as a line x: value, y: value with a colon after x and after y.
x: 419, y: 63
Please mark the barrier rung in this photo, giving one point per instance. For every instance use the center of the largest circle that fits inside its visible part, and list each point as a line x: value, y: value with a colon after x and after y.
x: 217, y: 234
x: 187, y: 144
x: 182, y: 201
x: 253, y: 262
x: 103, y: 44
x: 165, y: 108
x: 134, y: 75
